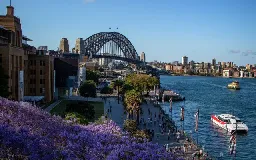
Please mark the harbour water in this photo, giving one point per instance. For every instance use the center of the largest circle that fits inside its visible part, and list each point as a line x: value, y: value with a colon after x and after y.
x: 211, y: 96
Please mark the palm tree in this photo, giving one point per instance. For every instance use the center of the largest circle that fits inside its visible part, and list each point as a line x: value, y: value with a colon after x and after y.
x: 117, y: 84
x: 133, y: 100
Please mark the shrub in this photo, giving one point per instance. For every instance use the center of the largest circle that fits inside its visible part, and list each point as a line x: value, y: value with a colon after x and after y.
x: 130, y: 126
x: 83, y: 108
x: 76, y: 118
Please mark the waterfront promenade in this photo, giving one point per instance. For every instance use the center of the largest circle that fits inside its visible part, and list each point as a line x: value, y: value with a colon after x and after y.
x: 118, y: 115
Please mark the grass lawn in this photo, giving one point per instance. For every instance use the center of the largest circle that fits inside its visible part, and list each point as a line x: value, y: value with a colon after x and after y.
x: 61, y: 108
x: 48, y: 104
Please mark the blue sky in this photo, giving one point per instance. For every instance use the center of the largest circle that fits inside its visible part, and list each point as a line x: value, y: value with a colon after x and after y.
x: 165, y: 30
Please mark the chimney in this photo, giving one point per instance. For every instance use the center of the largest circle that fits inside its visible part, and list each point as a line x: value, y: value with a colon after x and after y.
x: 10, y: 11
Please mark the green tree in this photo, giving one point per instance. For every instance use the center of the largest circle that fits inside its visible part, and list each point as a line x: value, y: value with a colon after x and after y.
x: 141, y: 82
x: 133, y: 100
x: 88, y: 89
x: 4, y: 84
x: 126, y: 87
x: 150, y: 83
x: 92, y: 75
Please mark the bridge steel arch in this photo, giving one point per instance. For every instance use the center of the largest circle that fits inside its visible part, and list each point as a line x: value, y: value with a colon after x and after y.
x: 94, y: 43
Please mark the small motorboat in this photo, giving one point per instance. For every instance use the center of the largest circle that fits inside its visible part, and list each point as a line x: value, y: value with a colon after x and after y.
x: 229, y: 123
x: 234, y: 85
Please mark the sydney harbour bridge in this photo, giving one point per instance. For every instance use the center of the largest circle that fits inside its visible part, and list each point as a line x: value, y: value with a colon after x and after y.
x: 110, y: 45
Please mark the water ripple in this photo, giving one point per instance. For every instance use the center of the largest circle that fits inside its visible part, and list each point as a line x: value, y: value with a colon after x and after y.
x: 211, y: 96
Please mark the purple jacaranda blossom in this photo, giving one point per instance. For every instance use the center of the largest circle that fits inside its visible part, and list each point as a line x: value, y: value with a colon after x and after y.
x: 28, y: 132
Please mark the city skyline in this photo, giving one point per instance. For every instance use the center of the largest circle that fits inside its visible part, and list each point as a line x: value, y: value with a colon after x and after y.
x: 168, y: 30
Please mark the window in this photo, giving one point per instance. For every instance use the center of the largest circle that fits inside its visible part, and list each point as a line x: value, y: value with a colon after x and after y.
x: 42, y: 63
x: 41, y: 72
x: 32, y: 72
x: 42, y: 81
x: 32, y: 81
x: 41, y: 90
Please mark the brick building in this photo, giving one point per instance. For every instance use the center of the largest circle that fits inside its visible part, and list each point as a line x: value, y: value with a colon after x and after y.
x: 12, y: 53
x: 39, y: 76
x: 29, y: 74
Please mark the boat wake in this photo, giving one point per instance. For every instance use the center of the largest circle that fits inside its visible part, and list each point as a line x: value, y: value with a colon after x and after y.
x: 251, y: 83
x: 215, y: 85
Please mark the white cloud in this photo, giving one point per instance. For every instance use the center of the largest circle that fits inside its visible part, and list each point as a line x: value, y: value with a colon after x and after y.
x: 89, y: 1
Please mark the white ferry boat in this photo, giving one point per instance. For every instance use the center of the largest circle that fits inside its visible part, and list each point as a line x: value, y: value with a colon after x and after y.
x: 234, y: 85
x: 229, y: 123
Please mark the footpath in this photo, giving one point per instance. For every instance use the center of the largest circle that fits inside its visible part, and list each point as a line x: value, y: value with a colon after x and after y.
x: 183, y: 148
x: 116, y: 112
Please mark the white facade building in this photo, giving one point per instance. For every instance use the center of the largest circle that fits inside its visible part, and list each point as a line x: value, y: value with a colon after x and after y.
x: 241, y: 73
x: 81, y: 73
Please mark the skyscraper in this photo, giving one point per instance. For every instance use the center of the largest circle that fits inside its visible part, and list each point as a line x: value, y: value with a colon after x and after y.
x: 213, y: 62
x: 143, y: 57
x: 79, y: 48
x: 184, y: 60
x: 64, y: 46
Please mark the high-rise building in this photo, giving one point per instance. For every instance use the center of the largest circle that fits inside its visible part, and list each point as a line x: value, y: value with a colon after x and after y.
x: 64, y: 46
x: 184, y: 60
x: 223, y: 65
x: 79, y: 48
x: 12, y: 53
x: 213, y: 62
x: 143, y: 57
x: 192, y: 64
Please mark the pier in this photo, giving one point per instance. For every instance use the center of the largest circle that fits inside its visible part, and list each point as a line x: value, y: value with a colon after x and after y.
x: 166, y: 95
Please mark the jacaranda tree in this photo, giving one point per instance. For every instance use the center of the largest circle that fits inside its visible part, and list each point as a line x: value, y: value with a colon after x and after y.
x: 27, y: 132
